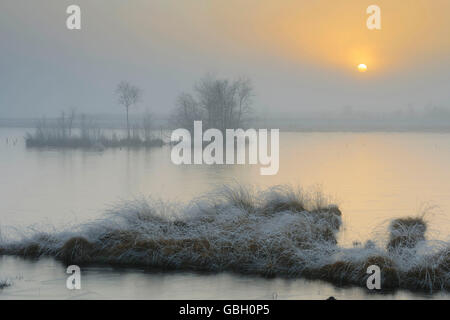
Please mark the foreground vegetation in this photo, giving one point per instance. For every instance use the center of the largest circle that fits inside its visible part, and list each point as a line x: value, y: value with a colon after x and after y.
x: 276, y: 232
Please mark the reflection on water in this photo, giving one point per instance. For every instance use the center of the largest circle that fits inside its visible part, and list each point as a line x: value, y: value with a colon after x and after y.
x: 46, y: 279
x: 372, y: 176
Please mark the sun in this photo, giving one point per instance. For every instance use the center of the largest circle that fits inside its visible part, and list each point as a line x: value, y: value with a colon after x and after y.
x: 362, y: 67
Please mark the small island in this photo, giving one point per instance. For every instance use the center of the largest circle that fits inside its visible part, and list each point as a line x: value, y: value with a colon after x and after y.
x: 78, y: 131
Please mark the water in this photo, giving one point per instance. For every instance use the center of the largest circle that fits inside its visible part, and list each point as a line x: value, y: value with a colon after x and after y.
x: 374, y: 177
x: 45, y: 279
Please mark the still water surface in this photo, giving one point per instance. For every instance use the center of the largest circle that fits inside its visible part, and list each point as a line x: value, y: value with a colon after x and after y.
x: 373, y: 177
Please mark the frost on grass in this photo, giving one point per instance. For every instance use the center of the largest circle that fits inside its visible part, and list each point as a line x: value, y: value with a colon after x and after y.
x: 276, y: 232
x: 406, y: 232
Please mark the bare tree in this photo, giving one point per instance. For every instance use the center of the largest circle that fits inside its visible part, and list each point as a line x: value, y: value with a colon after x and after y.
x: 147, y: 126
x: 128, y: 95
x: 187, y: 112
x: 219, y: 103
x: 65, y: 124
x: 70, y: 120
x: 244, y: 95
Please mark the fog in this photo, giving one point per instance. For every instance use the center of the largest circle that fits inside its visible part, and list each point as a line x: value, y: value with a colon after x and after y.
x: 198, y: 149
x: 300, y: 56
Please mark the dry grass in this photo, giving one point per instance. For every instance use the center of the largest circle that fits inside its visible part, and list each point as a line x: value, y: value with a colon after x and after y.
x: 280, y: 231
x: 76, y: 250
x: 406, y: 232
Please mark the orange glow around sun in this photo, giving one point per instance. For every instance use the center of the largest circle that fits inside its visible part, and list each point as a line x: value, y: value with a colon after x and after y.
x: 362, y: 67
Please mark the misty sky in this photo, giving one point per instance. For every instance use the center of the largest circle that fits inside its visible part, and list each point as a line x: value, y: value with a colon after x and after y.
x: 301, y: 54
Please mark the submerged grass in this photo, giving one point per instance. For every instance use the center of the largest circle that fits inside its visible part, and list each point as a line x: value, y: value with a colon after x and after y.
x: 280, y: 231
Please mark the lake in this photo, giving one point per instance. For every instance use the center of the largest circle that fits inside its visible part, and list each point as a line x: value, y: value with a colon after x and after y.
x: 373, y: 177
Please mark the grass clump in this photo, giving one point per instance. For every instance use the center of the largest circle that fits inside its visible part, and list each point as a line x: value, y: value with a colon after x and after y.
x: 71, y: 131
x: 406, y: 232
x: 76, y: 250
x: 232, y: 228
x: 280, y: 231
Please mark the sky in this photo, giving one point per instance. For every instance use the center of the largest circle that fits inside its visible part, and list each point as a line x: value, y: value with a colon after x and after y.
x: 301, y: 55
